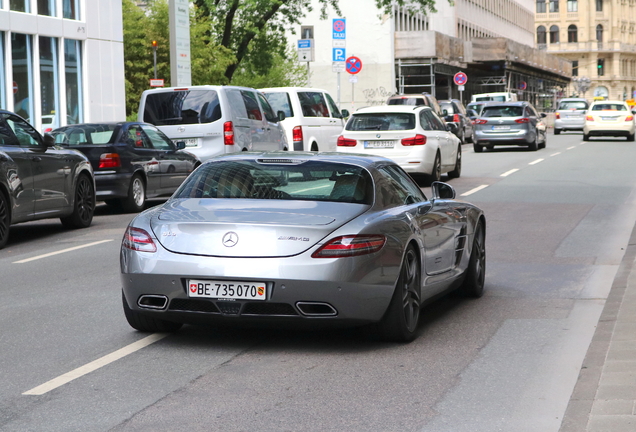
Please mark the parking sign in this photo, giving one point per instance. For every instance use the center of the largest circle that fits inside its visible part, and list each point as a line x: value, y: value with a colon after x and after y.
x: 339, y: 54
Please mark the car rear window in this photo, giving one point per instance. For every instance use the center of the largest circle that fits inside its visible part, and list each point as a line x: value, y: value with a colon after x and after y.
x: 609, y: 107
x: 502, y: 111
x: 182, y: 107
x: 280, y: 102
x: 313, y: 104
x: 381, y: 122
x: 407, y: 101
x: 573, y: 105
x: 280, y: 180
x: 86, y: 134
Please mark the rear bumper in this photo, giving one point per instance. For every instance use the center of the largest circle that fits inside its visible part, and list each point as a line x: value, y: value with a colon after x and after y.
x: 624, y: 129
x: 112, y: 185
x: 569, y: 124
x: 521, y: 137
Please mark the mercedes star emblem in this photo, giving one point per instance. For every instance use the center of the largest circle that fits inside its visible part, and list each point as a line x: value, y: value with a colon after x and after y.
x: 230, y: 239
x: 378, y: 136
x: 180, y: 129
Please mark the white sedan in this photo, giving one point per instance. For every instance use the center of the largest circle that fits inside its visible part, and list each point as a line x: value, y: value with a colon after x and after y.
x: 414, y: 137
x: 609, y: 118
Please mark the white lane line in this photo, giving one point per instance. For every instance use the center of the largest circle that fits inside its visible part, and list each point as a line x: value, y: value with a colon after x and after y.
x: 570, y: 148
x: 472, y: 191
x: 554, y: 154
x: 61, y: 251
x: 507, y: 173
x: 536, y: 162
x: 582, y: 143
x: 94, y: 365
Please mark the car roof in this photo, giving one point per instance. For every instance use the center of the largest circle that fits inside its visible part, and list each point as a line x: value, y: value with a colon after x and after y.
x: 196, y: 87
x: 573, y: 99
x: 363, y: 160
x: 391, y: 109
x: 508, y: 103
x: 609, y: 102
x: 291, y: 89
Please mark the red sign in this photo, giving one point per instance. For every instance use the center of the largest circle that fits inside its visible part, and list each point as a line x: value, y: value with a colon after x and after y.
x: 353, y: 65
x: 15, y: 87
x: 460, y: 78
x: 158, y: 82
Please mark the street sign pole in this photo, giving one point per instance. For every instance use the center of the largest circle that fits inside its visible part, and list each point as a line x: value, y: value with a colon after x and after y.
x: 338, y: 90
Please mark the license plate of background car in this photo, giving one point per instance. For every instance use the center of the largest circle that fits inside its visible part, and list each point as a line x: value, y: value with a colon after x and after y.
x: 223, y: 289
x: 191, y: 142
x: 609, y: 118
x: 379, y: 144
x: 500, y: 127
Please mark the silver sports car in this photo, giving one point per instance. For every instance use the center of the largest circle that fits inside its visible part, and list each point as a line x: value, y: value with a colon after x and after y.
x: 304, y: 238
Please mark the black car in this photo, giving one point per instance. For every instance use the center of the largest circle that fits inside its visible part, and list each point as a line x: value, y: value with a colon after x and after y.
x: 456, y: 113
x: 40, y: 180
x: 132, y: 160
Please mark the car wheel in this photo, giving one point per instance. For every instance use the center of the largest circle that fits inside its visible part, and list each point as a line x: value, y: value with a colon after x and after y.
x: 490, y: 147
x: 462, y: 138
x: 471, y: 138
x: 171, y: 169
x: 475, y: 276
x: 145, y: 323
x: 544, y: 142
x: 436, y: 174
x: 534, y: 145
x: 458, y: 164
x: 136, y: 195
x: 5, y: 220
x: 630, y: 137
x: 400, y: 321
x: 557, y: 131
x: 478, y: 148
x: 586, y: 137
x: 84, y: 206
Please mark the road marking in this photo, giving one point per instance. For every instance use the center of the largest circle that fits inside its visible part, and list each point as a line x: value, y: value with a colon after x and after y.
x: 472, y: 191
x: 582, y: 143
x: 94, y: 365
x: 60, y: 252
x: 535, y: 162
x: 554, y: 154
x: 507, y: 173
x: 570, y: 148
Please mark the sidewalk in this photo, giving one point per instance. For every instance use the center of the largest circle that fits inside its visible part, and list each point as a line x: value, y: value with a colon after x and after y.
x: 604, y: 398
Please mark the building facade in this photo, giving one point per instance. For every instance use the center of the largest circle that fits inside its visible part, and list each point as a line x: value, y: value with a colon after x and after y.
x: 62, y: 60
x: 598, y: 37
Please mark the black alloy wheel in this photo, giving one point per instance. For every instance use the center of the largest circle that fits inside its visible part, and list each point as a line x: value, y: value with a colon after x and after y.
x: 455, y: 173
x: 534, y: 145
x: 5, y: 220
x: 473, y: 285
x: 436, y: 174
x: 84, y: 205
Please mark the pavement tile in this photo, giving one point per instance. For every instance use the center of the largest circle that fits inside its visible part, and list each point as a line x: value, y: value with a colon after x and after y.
x: 611, y: 392
x: 625, y: 331
x: 620, y: 366
x: 611, y: 424
x: 618, y: 378
x: 613, y: 407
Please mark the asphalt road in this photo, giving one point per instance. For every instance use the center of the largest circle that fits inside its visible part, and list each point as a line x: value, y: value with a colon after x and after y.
x: 558, y: 222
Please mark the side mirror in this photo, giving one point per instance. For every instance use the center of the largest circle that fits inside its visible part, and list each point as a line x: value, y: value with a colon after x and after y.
x: 345, y: 113
x: 281, y: 115
x: 452, y: 127
x: 180, y: 145
x: 49, y: 140
x: 442, y: 191
x: 444, y: 113
x: 543, y: 115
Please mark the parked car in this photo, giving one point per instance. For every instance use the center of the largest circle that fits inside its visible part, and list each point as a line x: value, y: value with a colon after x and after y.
x: 609, y: 118
x: 425, y: 99
x: 312, y: 122
x: 213, y: 120
x: 509, y: 123
x: 351, y: 240
x: 494, y: 97
x: 132, y: 161
x: 414, y: 137
x: 570, y: 115
x: 456, y: 113
x: 478, y: 107
x: 40, y: 180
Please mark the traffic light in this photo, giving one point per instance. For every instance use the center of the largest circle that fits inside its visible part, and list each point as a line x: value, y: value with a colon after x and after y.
x: 600, y: 63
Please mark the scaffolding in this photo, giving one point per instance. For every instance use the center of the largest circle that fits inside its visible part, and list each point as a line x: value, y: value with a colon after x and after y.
x: 416, y: 76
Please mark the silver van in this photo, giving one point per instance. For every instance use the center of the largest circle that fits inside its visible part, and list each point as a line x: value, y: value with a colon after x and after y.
x: 570, y: 115
x: 212, y: 120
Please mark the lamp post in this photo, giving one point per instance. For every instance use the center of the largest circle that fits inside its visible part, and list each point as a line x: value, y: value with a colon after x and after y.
x: 582, y: 84
x: 154, y: 52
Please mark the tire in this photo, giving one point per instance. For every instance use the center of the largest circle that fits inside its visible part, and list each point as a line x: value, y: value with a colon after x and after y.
x: 136, y: 199
x: 83, y: 206
x: 557, y: 131
x: 586, y: 137
x: 630, y: 137
x: 462, y: 138
x: 401, y: 318
x: 544, y: 143
x: 478, y: 148
x: 5, y: 220
x: 171, y: 169
x: 473, y: 284
x: 534, y: 145
x: 471, y: 138
x: 490, y: 147
x: 458, y: 164
x: 436, y: 174
x: 145, y: 323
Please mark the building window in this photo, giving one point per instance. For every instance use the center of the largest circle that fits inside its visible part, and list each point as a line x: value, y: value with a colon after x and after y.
x: 46, y: 7
x: 575, y: 68
x: 599, y: 5
x: 73, y: 73
x: 19, y: 5
x: 70, y: 9
x: 541, y: 36
x: 554, y: 5
x: 49, y: 82
x: 22, y: 61
x: 573, y: 6
x: 540, y: 6
x: 572, y: 34
x: 599, y: 33
x: 554, y: 34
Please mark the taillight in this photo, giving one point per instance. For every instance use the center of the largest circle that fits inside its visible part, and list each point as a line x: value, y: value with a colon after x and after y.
x: 456, y: 118
x: 346, y: 142
x: 109, y: 160
x: 352, y: 245
x: 629, y: 118
x: 480, y: 121
x: 297, y: 134
x: 523, y: 120
x: 138, y: 240
x: 228, y: 133
x: 589, y: 118
x: 416, y: 140
x: 557, y: 116
x: 48, y: 130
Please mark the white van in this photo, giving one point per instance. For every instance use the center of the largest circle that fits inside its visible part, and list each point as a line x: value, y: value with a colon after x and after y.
x: 213, y: 120
x: 312, y: 122
x: 496, y: 97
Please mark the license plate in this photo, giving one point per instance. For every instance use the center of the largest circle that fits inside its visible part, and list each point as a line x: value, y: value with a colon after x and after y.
x: 609, y: 118
x: 191, y: 142
x: 500, y: 127
x: 378, y: 144
x: 223, y: 289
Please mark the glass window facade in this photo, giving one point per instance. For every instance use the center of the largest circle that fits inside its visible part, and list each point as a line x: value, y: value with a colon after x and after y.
x: 49, y: 82
x: 22, y: 62
x: 46, y: 7
x: 73, y: 74
x: 70, y: 9
x: 19, y: 5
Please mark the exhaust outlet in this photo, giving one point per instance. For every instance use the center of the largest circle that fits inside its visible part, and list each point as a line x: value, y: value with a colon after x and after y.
x: 152, y: 301
x: 316, y: 309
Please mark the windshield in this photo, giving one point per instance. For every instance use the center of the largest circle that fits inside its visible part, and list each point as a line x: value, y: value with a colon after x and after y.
x: 502, y: 111
x: 381, y: 122
x: 271, y: 179
x: 182, y: 107
x: 86, y: 134
x: 609, y: 107
x: 573, y: 105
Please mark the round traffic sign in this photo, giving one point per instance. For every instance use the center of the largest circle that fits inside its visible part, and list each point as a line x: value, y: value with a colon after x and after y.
x: 338, y: 25
x: 522, y: 85
x: 15, y: 87
x: 460, y: 78
x: 353, y: 65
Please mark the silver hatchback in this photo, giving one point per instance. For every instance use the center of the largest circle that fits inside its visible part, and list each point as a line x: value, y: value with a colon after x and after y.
x: 509, y: 123
x: 570, y: 115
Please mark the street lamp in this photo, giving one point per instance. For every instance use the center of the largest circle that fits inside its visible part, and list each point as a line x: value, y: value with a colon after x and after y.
x: 154, y: 50
x: 582, y: 84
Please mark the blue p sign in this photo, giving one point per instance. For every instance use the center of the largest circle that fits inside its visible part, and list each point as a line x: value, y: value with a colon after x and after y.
x: 339, y: 54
